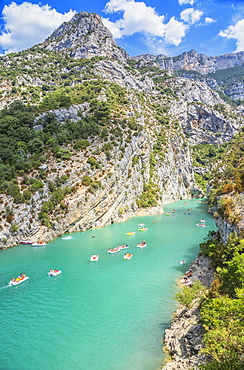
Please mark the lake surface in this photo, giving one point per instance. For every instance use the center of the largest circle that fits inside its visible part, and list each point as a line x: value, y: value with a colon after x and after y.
x: 105, y: 315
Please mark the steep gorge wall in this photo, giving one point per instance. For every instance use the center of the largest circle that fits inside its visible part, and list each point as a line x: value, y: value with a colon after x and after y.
x: 122, y: 184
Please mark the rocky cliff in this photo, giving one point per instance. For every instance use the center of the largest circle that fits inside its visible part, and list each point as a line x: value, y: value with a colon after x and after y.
x: 191, y: 61
x: 149, y: 132
x: 118, y: 182
x: 84, y: 36
x: 183, y: 339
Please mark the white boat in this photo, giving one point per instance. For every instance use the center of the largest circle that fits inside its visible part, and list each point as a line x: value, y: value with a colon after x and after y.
x: 26, y: 242
x: 94, y: 257
x: 124, y: 246
x: 141, y: 245
x: 54, y: 272
x: 203, y: 225
x: 38, y: 244
x: 67, y: 237
x: 127, y: 256
x: 113, y: 250
x: 20, y: 279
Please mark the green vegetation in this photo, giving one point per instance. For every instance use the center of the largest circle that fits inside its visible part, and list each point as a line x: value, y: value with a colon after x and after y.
x: 149, y: 196
x: 186, y: 296
x: 206, y: 155
x: 222, y: 307
x: 222, y: 312
x: 227, y: 181
x: 226, y: 78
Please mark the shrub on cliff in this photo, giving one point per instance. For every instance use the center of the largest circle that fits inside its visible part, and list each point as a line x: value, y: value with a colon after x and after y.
x: 187, y: 295
x: 223, y: 319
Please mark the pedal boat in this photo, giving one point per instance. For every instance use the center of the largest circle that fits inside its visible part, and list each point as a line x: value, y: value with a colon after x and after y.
x: 113, y: 250
x: 130, y: 233
x: 94, y: 257
x: 141, y: 245
x: 124, y: 246
x: 127, y: 256
x: 54, y: 272
x: 18, y: 280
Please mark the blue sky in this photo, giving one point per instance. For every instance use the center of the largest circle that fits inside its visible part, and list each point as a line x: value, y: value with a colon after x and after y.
x: 169, y: 27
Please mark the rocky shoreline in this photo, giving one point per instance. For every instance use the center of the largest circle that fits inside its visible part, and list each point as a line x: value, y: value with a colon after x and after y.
x: 183, y: 339
x: 46, y: 235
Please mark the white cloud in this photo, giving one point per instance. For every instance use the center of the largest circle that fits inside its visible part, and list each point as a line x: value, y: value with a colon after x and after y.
x: 235, y: 32
x: 191, y: 15
x: 28, y: 24
x: 182, y: 2
x: 175, y: 31
x: 138, y: 17
x: 114, y: 27
x: 209, y: 20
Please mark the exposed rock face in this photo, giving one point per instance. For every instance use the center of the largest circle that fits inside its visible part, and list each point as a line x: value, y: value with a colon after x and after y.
x: 190, y: 60
x: 196, y: 111
x: 121, y: 182
x: 84, y: 36
x: 115, y: 72
x: 236, y: 91
x: 225, y: 227
x: 183, y: 339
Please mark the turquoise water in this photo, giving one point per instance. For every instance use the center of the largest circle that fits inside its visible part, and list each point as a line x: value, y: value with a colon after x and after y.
x: 106, y: 315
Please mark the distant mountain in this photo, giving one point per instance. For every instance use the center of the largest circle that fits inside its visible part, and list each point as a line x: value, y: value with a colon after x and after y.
x: 224, y: 73
x: 190, y: 60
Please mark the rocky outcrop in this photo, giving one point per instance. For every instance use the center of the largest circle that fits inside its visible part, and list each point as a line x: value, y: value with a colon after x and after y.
x: 84, y: 36
x: 204, y: 117
x: 115, y: 72
x: 235, y: 91
x: 234, y: 223
x: 190, y: 60
x: 121, y: 183
x: 183, y: 339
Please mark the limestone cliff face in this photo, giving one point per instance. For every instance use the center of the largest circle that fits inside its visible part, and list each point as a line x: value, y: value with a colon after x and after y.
x: 190, y: 60
x: 84, y: 36
x: 204, y: 117
x: 115, y: 72
x: 235, y: 222
x: 122, y: 184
